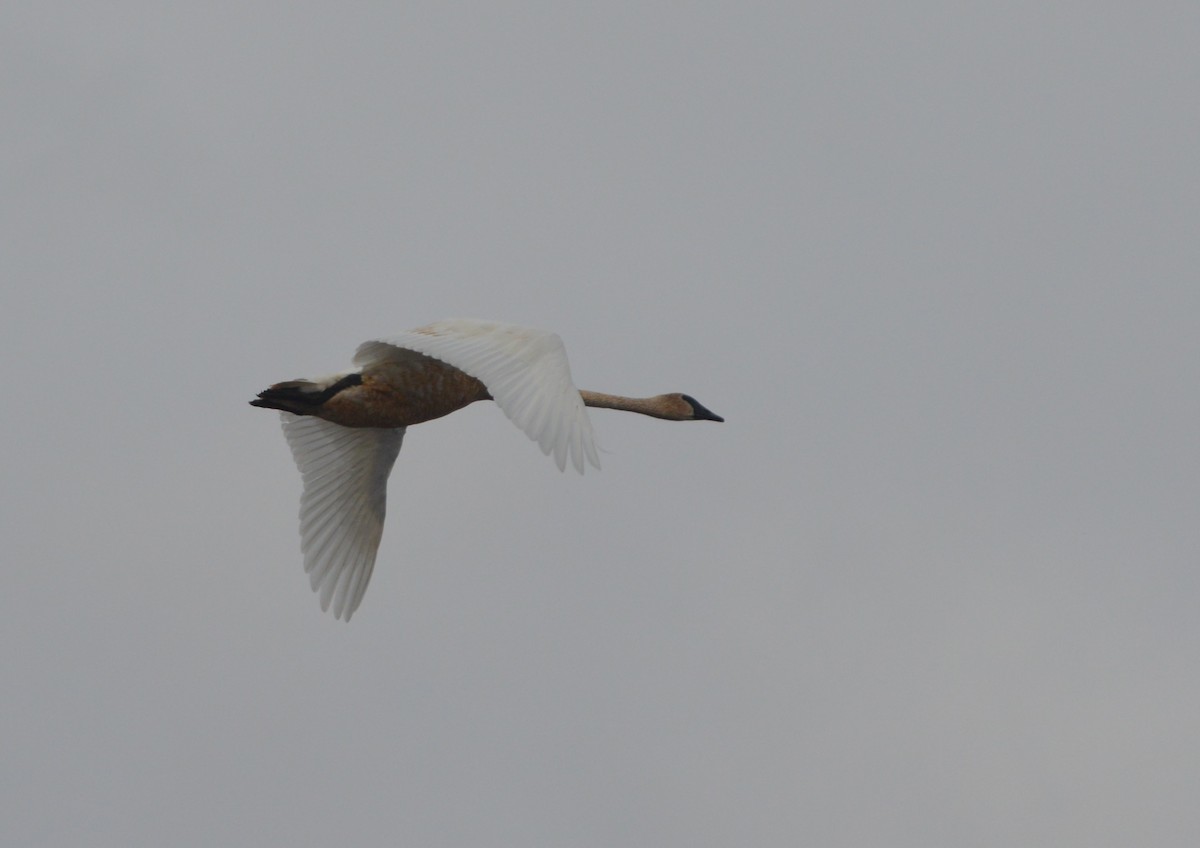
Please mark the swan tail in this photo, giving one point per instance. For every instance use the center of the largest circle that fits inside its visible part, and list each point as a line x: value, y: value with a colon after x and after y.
x: 303, y: 397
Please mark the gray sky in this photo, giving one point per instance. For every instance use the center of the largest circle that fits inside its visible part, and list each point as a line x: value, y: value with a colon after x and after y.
x: 933, y: 583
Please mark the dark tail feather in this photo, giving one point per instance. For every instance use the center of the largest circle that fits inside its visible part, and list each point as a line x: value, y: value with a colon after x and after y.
x: 302, y: 397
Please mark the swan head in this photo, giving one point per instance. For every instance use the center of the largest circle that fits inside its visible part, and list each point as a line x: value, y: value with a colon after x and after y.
x: 695, y: 411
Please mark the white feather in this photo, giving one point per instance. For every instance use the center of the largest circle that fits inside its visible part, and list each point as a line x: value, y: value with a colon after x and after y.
x: 345, y: 473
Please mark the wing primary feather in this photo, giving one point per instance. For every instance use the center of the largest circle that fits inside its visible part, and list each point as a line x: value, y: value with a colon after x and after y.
x: 345, y: 473
x: 343, y: 556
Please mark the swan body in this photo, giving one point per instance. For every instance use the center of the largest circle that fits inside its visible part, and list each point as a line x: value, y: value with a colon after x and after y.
x: 345, y: 430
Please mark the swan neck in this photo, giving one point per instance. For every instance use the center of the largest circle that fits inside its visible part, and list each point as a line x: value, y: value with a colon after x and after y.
x: 643, y: 406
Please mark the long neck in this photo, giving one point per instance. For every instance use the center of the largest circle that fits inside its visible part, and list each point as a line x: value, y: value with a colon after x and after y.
x: 652, y: 406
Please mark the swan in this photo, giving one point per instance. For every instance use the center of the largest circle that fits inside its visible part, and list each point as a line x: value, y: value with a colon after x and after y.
x: 345, y: 430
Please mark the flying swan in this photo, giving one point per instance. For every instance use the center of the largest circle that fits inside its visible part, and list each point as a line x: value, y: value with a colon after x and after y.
x: 345, y: 430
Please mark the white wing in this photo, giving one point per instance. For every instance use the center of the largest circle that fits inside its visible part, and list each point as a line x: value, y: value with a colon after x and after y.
x: 345, y: 473
x: 525, y: 371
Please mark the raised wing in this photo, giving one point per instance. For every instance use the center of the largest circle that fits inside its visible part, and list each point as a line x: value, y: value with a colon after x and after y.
x: 345, y: 473
x: 525, y: 371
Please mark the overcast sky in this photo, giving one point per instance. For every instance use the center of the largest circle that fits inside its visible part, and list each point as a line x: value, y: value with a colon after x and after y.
x: 934, y: 583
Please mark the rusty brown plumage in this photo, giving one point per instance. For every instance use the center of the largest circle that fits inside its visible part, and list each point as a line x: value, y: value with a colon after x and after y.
x: 400, y: 394
x: 409, y: 389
